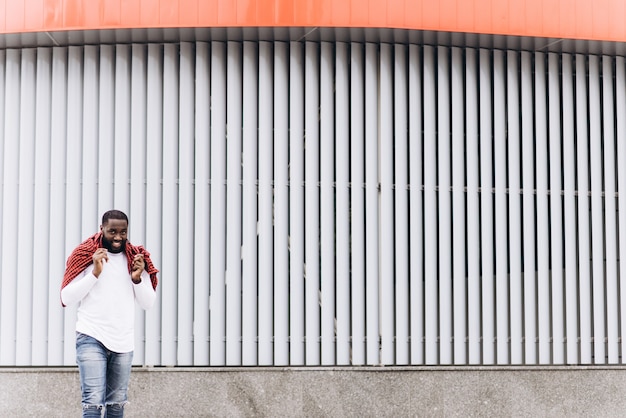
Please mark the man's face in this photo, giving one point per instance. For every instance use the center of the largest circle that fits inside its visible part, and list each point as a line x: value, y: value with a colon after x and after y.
x: 114, y: 235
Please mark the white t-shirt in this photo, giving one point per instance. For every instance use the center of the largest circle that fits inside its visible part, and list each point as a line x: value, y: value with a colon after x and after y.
x: 106, y: 310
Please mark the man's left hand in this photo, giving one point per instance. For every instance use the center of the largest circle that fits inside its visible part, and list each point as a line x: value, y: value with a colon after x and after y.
x: 138, y: 266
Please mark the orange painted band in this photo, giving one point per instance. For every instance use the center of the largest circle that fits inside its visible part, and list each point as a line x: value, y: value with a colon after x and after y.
x: 570, y: 19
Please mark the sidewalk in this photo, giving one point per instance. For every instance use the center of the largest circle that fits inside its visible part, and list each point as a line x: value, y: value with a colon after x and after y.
x: 331, y: 392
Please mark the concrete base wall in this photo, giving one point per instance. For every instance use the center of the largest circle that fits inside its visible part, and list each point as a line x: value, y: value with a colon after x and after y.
x: 331, y: 392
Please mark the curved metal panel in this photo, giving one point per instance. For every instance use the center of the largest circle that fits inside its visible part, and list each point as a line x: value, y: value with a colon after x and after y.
x: 335, y: 204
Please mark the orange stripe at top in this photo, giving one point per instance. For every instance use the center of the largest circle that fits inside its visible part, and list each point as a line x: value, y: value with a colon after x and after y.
x: 573, y: 19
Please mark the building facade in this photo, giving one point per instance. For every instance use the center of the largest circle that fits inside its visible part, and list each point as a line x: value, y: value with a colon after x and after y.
x: 322, y: 183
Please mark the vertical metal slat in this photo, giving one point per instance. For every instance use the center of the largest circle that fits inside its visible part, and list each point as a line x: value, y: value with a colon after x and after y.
x: 58, y: 125
x: 234, y: 211
x: 569, y: 204
x: 327, y: 203
x: 169, y: 269
x: 386, y: 254
x: 372, y: 247
x: 501, y: 215
x: 342, y: 145
x: 266, y: 239
x: 281, y: 204
x: 186, y: 134
x: 416, y: 206
x: 154, y: 193
x: 217, y: 347
x: 543, y: 226
x: 431, y: 307
x: 486, y: 207
x: 620, y: 111
x: 610, y: 214
x: 74, y: 149
x: 584, y: 244
x: 357, y: 202
x: 459, y: 260
x: 25, y: 215
x: 202, y: 191
x: 401, y: 172
x: 597, y: 212
x: 43, y: 282
x: 473, y: 207
x: 249, y: 250
x: 296, y: 205
x: 556, y: 210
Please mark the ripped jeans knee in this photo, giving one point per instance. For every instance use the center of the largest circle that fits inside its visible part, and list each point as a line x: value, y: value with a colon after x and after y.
x: 111, y: 410
x: 92, y: 410
x: 114, y: 410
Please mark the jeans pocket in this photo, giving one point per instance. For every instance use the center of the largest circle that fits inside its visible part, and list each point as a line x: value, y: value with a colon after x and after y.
x: 84, y: 339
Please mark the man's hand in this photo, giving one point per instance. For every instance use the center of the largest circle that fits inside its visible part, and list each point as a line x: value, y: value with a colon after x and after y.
x: 138, y: 265
x: 99, y: 258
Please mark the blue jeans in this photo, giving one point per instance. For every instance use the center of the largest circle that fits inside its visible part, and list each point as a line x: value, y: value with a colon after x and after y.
x: 104, y: 377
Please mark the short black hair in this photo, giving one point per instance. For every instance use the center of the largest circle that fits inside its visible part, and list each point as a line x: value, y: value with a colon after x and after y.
x: 113, y: 214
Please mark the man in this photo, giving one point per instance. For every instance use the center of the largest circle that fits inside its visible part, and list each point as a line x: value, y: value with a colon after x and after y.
x: 106, y: 275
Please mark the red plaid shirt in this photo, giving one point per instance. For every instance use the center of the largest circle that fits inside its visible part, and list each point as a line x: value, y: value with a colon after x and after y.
x: 82, y: 255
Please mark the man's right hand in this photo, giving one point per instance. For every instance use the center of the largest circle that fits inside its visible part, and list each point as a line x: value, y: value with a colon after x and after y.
x: 99, y: 258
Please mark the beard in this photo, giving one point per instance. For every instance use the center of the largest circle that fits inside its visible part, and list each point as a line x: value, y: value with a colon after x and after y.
x: 108, y: 244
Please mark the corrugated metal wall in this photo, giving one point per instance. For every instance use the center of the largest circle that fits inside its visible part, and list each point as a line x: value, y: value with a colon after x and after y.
x: 322, y: 204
